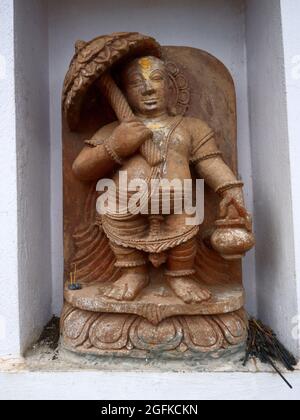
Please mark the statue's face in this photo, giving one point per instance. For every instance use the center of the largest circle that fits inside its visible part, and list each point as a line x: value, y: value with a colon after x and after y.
x: 146, y: 86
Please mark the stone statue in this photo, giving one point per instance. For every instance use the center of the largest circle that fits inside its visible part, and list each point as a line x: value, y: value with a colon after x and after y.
x: 150, y: 282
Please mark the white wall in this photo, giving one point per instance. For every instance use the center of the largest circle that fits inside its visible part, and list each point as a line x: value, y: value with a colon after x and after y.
x: 33, y: 159
x: 9, y: 307
x: 291, y: 43
x: 25, y: 268
x: 217, y: 26
x: 273, y: 212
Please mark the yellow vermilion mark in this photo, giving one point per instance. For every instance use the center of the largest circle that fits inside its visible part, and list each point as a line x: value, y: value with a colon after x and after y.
x: 145, y: 64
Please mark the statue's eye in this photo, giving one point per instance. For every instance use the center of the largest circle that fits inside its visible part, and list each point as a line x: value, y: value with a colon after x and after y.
x: 157, y: 77
x: 135, y: 81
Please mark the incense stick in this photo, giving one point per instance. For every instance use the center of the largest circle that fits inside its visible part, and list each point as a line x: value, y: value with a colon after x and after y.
x: 263, y: 344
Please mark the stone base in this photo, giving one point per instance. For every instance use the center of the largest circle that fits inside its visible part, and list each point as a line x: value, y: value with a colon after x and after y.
x: 157, y: 301
x: 177, y: 337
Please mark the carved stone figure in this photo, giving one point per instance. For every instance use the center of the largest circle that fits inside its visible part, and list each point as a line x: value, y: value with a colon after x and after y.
x: 150, y: 282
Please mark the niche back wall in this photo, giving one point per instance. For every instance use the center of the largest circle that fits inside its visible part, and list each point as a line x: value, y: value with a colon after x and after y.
x: 217, y: 26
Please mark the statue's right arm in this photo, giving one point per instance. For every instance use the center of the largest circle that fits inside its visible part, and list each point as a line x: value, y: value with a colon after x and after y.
x: 111, y: 144
x: 95, y: 162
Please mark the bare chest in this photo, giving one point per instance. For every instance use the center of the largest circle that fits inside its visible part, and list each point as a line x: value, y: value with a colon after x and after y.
x: 171, y: 143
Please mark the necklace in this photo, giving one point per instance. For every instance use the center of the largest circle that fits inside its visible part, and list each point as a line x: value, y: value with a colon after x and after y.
x: 155, y: 150
x: 160, y: 129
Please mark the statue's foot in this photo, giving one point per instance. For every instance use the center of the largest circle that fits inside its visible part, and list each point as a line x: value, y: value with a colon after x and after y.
x: 189, y: 290
x: 129, y: 285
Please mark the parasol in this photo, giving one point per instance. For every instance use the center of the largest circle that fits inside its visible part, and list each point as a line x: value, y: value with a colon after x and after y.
x: 93, y: 62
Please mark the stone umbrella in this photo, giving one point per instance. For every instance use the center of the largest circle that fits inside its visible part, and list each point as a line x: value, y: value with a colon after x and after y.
x: 93, y: 62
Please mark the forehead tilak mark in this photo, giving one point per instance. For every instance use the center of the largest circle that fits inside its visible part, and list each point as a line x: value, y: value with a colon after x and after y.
x: 145, y: 63
x: 145, y: 67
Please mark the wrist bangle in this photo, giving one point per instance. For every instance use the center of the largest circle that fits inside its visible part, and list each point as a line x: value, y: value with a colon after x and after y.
x: 229, y: 186
x: 114, y: 156
x: 91, y: 143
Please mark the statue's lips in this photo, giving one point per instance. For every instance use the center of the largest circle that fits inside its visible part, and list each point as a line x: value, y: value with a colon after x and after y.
x: 151, y: 101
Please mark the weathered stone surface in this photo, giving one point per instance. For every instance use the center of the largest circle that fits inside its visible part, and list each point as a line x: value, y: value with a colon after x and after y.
x: 151, y: 284
x: 176, y: 337
x: 158, y: 301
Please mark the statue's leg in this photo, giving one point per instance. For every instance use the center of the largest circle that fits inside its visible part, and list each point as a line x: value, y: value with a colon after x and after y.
x: 180, y: 273
x: 134, y: 277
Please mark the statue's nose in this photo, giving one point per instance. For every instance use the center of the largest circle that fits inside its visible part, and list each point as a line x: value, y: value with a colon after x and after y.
x: 148, y: 88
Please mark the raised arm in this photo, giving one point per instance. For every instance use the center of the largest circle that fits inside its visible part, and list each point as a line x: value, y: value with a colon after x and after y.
x: 108, y: 148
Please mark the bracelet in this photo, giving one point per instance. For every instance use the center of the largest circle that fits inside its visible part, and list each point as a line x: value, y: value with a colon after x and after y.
x: 91, y: 143
x: 206, y: 157
x: 229, y: 186
x: 111, y: 151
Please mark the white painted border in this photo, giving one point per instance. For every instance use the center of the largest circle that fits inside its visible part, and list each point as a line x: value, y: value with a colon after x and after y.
x: 151, y: 386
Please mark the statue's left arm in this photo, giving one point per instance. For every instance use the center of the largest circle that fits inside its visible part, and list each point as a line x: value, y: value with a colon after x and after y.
x: 210, y: 165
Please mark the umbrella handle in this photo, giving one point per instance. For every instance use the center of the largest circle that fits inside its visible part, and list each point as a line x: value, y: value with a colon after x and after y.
x: 123, y: 112
x: 116, y: 98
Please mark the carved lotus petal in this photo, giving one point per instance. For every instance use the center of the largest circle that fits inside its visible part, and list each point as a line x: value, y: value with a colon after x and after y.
x: 110, y: 331
x: 233, y: 327
x: 76, y: 326
x: 202, y: 334
x: 165, y: 336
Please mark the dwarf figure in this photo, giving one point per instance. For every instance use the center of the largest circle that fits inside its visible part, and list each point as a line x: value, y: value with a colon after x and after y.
x: 155, y: 144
